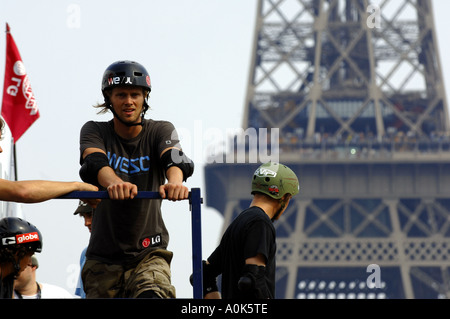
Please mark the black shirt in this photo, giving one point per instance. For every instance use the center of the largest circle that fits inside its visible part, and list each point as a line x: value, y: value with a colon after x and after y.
x: 125, y: 231
x: 250, y: 234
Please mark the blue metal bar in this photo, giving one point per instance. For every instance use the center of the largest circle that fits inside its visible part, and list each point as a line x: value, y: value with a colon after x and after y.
x: 195, y: 202
x: 104, y: 195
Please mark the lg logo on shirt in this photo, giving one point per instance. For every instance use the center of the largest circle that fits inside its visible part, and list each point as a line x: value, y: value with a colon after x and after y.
x: 151, y: 241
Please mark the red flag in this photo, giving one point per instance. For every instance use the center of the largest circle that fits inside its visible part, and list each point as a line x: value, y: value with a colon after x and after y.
x: 19, y: 107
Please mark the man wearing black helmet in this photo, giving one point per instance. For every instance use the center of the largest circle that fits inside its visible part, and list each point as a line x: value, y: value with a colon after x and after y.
x: 19, y: 240
x: 127, y: 255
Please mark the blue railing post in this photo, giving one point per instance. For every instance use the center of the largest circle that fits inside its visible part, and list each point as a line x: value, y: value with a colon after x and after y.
x: 195, y: 202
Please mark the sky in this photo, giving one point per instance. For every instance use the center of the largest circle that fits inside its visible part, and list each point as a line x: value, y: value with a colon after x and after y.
x: 198, y: 55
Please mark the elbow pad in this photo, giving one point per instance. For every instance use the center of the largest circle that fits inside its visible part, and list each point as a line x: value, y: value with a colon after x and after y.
x: 209, y: 279
x: 91, y: 165
x: 252, y: 283
x: 176, y: 157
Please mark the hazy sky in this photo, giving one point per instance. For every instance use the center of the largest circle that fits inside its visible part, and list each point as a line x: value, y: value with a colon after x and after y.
x: 198, y: 55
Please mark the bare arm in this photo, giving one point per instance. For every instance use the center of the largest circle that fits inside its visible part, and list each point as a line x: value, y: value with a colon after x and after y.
x: 116, y: 187
x: 174, y: 189
x: 258, y: 260
x: 35, y: 191
x: 213, y: 295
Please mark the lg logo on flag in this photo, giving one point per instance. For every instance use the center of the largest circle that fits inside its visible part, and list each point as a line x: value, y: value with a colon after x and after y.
x: 19, y: 69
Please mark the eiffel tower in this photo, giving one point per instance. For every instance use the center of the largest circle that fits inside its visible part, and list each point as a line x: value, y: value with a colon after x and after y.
x: 355, y: 92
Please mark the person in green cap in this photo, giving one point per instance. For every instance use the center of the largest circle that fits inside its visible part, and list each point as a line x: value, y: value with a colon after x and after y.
x: 246, y: 254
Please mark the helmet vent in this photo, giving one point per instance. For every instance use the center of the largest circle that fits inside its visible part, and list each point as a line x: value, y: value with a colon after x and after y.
x: 137, y: 74
x: 267, y: 179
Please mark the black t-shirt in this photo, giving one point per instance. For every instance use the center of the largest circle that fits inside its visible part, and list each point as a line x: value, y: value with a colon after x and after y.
x: 6, y: 287
x: 124, y: 231
x: 250, y: 234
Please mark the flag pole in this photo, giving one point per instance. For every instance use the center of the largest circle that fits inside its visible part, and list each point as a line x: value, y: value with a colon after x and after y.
x: 16, y: 178
x: 14, y: 156
x: 13, y: 147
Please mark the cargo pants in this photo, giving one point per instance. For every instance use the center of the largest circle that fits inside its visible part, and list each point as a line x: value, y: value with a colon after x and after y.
x: 101, y: 280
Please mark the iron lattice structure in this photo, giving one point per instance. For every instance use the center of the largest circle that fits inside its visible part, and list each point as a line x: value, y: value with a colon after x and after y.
x: 355, y: 90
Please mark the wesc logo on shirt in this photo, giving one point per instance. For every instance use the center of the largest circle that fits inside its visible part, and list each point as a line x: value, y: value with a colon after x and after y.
x: 129, y: 166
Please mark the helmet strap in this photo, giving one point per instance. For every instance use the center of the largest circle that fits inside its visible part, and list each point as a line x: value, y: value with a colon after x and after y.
x: 283, y: 203
x: 16, y: 263
x: 16, y: 267
x: 278, y: 212
x: 110, y: 107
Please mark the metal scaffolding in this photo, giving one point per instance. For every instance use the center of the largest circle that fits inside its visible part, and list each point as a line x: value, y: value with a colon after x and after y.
x: 356, y: 91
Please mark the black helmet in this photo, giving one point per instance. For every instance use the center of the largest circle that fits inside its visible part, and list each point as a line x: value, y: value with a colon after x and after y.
x: 17, y: 233
x: 126, y: 73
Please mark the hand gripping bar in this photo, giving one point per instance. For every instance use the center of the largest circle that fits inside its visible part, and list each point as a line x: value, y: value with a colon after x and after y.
x: 195, y: 202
